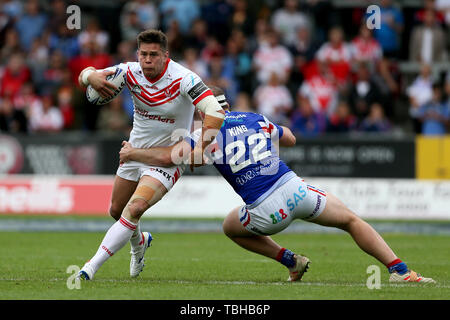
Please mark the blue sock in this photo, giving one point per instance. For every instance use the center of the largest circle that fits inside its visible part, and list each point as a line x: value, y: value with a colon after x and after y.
x: 286, y: 258
x: 398, y: 266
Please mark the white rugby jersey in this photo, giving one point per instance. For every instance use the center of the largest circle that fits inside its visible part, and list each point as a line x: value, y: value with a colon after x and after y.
x: 164, y: 105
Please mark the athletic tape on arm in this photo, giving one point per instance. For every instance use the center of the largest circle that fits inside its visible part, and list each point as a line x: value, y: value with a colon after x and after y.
x: 210, y: 106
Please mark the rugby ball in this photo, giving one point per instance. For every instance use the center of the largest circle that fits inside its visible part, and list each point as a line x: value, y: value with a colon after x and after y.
x: 118, y: 79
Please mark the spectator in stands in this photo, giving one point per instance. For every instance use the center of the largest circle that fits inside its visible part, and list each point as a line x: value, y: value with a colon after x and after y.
x: 221, y: 75
x: 198, y: 35
x: 420, y: 93
x: 303, y: 51
x: 239, y: 62
x: 287, y: 20
x: 130, y: 25
x: 217, y: 14
x: 94, y: 34
x: 305, y: 122
x: 341, y: 120
x: 365, y: 49
x: 183, y: 11
x: 319, y: 91
x: 376, y: 120
x: 388, y: 35
x: 243, y: 103
x: 12, y: 8
x: 31, y: 24
x: 427, y: 42
x: 242, y: 18
x: 57, y: 14
x: 146, y: 17
x: 212, y: 48
x: 26, y: 98
x: 363, y: 93
x: 10, y: 46
x: 443, y: 6
x: 38, y: 59
x: 91, y: 54
x: 337, y: 54
x: 14, y: 76
x: 175, y: 41
x: 419, y: 16
x: 64, y: 101
x: 192, y: 61
x: 274, y: 100
x: 271, y: 57
x: 112, y: 118
x: 45, y: 116
x: 435, y: 114
x: 64, y: 40
x: 12, y: 120
x: 259, y: 37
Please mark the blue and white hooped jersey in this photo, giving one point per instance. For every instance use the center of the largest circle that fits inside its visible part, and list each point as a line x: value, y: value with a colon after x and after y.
x: 245, y: 156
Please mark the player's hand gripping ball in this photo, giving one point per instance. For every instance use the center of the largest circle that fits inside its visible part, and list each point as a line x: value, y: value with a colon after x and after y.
x: 117, y: 79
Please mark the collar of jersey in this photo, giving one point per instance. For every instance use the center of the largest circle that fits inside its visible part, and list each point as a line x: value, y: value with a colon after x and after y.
x: 153, y: 80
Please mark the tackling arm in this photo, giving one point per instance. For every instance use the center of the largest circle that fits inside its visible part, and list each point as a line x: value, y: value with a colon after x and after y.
x: 287, y: 139
x: 156, y: 156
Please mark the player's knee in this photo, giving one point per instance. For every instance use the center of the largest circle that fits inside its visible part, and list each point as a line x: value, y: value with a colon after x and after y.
x: 351, y: 222
x: 227, y: 228
x: 115, y: 211
x: 137, y: 207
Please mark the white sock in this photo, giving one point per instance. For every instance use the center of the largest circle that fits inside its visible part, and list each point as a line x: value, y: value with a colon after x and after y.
x: 116, y: 237
x: 137, y: 239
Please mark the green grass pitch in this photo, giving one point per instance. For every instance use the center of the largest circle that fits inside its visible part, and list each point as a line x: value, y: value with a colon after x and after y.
x: 205, y: 266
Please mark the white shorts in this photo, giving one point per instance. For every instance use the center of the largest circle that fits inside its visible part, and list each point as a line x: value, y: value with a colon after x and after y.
x: 133, y: 171
x: 293, y: 200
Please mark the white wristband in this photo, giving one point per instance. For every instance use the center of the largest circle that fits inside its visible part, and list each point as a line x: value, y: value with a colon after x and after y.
x: 85, y: 75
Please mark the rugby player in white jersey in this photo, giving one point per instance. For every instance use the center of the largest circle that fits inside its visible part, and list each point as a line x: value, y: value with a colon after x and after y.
x: 274, y: 194
x: 165, y: 95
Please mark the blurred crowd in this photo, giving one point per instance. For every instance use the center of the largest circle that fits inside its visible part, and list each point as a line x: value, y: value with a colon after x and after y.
x: 304, y: 64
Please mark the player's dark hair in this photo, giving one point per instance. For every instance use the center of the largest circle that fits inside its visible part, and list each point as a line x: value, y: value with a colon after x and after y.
x: 153, y: 36
x: 219, y: 92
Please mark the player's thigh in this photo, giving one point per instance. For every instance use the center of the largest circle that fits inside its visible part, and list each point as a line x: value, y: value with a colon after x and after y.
x: 336, y: 214
x: 232, y: 227
x: 122, y: 191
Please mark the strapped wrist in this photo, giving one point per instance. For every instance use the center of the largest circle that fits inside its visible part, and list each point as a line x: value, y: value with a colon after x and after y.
x: 85, y: 75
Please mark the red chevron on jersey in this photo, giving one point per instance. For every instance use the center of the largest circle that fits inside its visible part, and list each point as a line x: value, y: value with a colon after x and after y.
x: 143, y: 100
x: 133, y: 80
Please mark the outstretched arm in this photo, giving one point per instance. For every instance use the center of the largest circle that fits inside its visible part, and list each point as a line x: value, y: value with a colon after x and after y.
x: 287, y: 139
x: 156, y: 156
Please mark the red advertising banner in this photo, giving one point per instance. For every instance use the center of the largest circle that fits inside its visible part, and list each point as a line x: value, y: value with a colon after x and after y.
x: 79, y: 195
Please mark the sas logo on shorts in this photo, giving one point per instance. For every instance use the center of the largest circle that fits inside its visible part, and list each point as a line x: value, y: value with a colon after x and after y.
x: 291, y: 204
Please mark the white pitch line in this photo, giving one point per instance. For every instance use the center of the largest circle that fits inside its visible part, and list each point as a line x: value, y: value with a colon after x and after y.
x: 235, y: 282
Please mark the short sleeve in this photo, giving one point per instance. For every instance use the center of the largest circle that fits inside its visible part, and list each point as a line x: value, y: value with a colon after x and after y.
x: 194, y: 88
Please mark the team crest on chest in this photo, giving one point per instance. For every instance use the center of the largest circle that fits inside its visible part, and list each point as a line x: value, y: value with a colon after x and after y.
x: 136, y: 89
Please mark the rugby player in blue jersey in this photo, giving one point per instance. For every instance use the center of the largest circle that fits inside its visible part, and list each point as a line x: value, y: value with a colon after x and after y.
x: 245, y: 154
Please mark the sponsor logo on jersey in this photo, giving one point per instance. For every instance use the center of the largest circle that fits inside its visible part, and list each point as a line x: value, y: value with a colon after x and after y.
x: 156, y: 117
x: 197, y: 90
x: 164, y: 173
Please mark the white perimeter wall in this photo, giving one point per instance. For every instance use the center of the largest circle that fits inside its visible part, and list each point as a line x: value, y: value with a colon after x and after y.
x: 369, y: 198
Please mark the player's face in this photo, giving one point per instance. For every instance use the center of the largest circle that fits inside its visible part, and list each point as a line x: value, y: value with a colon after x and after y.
x: 152, y: 59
